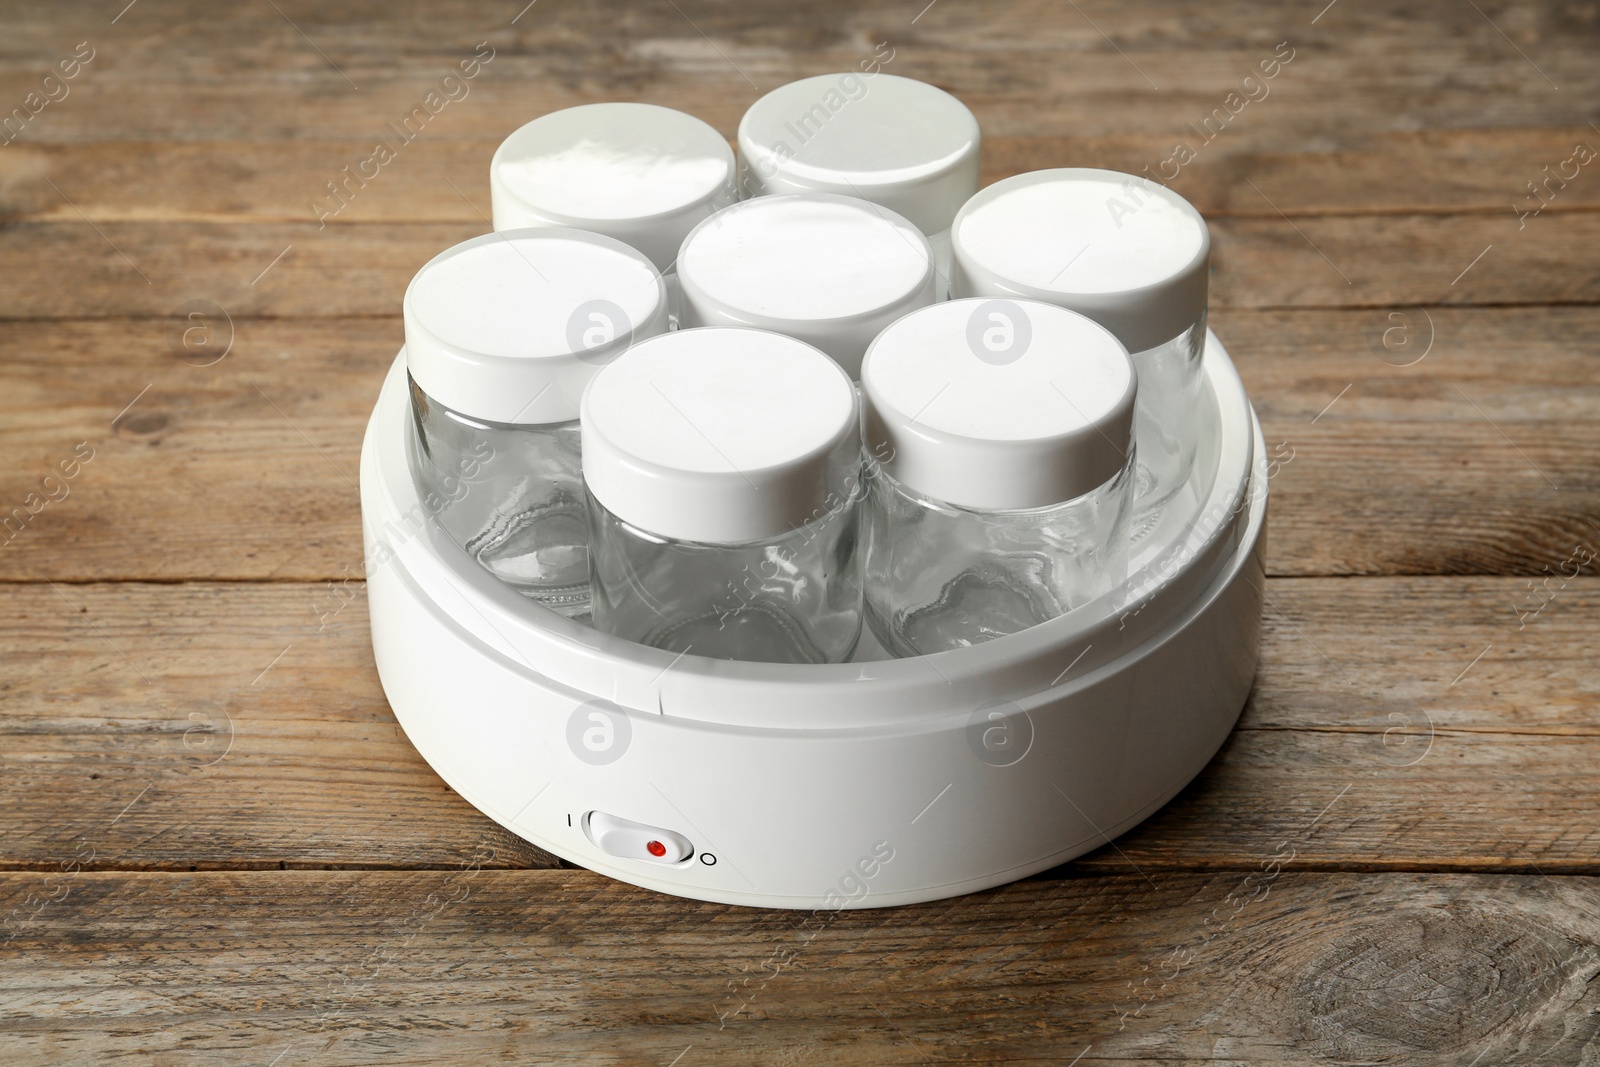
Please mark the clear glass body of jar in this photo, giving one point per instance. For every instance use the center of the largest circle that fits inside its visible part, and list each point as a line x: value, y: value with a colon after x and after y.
x: 674, y: 285
x: 511, y: 496
x: 942, y: 254
x: 1165, y: 421
x: 938, y: 576
x: 795, y: 598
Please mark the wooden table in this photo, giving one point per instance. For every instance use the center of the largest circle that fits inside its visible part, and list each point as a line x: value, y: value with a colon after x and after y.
x: 217, y: 845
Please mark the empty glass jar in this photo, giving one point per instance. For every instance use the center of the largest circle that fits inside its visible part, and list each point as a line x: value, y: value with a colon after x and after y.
x: 723, y: 468
x: 903, y: 144
x: 503, y: 332
x: 1000, y: 457
x: 1128, y: 253
x: 832, y: 271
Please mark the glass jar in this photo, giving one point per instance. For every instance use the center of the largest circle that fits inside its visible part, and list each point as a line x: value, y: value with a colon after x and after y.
x: 1000, y: 472
x: 502, y: 334
x: 903, y: 144
x: 723, y: 469
x: 643, y: 174
x: 511, y: 495
x: 1165, y: 420
x: 1128, y: 253
x: 829, y: 270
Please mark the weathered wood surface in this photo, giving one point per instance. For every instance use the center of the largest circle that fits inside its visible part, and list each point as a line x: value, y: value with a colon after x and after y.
x: 212, y: 726
x: 1482, y: 456
x: 442, y: 179
x: 180, y: 72
x: 1392, y: 860
x: 564, y: 967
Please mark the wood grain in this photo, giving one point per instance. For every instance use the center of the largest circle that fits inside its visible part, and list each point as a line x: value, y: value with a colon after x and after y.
x: 179, y: 72
x: 441, y: 179
x: 214, y: 726
x: 246, y: 469
x: 193, y: 725
x: 471, y: 965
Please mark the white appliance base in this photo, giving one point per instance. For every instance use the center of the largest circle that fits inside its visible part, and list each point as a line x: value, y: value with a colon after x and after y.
x: 873, y: 783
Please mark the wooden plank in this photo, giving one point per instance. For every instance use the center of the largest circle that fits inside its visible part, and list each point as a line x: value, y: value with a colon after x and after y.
x: 246, y: 469
x: 300, y: 270
x: 1483, y: 171
x: 1272, y: 965
x: 201, y: 725
x: 1311, y: 172
x: 253, y: 459
x: 1424, y: 440
x: 178, y: 73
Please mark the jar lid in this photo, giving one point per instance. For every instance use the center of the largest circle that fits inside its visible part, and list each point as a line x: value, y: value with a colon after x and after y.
x: 999, y: 404
x: 720, y: 435
x: 641, y: 173
x: 1125, y: 251
x: 832, y: 271
x: 901, y: 143
x: 509, y: 327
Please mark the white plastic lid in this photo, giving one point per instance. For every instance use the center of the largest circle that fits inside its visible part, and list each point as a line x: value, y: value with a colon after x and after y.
x: 637, y: 172
x: 832, y: 271
x: 999, y: 404
x: 509, y: 327
x: 1123, y: 250
x: 898, y: 142
x: 719, y: 435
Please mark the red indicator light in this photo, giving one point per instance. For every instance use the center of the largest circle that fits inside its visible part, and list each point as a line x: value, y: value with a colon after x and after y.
x: 655, y: 848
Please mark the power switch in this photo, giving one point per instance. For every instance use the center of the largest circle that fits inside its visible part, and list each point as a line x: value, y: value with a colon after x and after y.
x: 636, y: 841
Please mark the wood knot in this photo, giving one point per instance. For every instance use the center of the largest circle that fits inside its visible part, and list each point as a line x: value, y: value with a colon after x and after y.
x: 145, y: 427
x: 1426, y: 979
